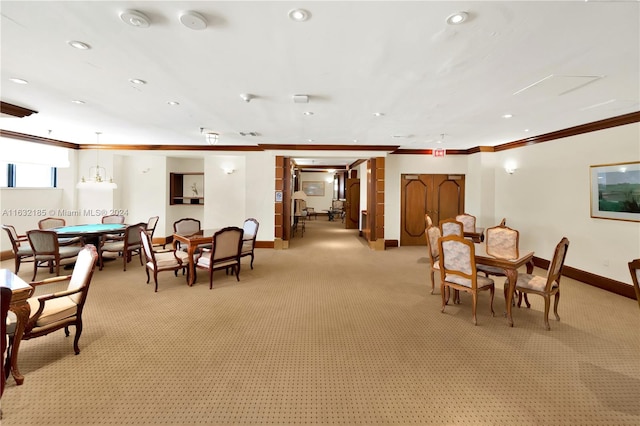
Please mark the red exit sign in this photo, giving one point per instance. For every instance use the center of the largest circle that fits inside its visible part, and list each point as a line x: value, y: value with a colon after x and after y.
x: 439, y: 152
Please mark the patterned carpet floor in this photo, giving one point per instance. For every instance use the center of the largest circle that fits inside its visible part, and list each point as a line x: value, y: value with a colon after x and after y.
x: 327, y: 332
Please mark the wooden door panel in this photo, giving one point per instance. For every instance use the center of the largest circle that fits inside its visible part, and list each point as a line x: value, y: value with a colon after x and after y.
x: 448, y: 199
x: 352, y: 205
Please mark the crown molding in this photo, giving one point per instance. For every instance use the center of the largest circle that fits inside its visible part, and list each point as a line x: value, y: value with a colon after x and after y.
x: 15, y: 110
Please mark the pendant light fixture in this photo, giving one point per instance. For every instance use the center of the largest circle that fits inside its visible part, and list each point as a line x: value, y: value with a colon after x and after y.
x: 98, y: 174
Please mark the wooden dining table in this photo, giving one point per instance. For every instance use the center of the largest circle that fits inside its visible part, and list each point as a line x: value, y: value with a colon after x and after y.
x: 510, y: 266
x: 20, y: 292
x: 192, y: 241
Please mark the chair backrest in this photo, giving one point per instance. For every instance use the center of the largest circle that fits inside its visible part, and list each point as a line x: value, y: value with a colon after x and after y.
x: 151, y: 225
x: 433, y: 234
x: 502, y: 242
x: 227, y: 244
x: 13, y: 237
x: 634, y: 268
x: 427, y: 220
x: 145, y: 238
x: 131, y: 234
x: 554, y: 273
x: 51, y: 222
x: 186, y: 226
x: 43, y: 242
x: 113, y: 218
x: 250, y: 229
x: 337, y: 205
x: 457, y: 261
x: 451, y: 227
x: 468, y: 222
x: 82, y: 273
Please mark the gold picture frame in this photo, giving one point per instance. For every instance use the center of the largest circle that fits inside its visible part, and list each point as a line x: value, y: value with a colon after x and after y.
x: 615, y: 191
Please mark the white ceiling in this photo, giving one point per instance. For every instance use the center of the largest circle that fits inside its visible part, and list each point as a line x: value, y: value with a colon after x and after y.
x: 553, y: 65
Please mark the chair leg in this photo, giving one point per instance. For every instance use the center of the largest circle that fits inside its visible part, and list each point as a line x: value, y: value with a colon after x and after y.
x: 526, y: 300
x: 555, y: 305
x: 17, y: 262
x: 210, y: 278
x: 77, y: 338
x: 547, y: 302
x: 433, y: 283
x: 147, y: 270
x: 474, y: 305
x: 445, y: 295
x: 251, y: 260
x: 492, y: 290
x: 155, y: 279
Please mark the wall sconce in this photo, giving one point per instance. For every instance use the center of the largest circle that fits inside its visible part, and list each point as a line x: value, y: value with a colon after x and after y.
x: 510, y: 167
x: 228, y: 170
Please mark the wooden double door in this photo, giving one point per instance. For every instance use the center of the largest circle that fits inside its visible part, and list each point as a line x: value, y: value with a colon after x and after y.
x: 439, y: 196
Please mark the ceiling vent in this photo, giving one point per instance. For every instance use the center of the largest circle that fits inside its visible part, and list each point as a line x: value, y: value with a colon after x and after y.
x: 248, y: 134
x: 301, y: 99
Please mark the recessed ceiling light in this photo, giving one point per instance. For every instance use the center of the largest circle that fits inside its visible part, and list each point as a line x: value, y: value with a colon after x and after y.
x: 309, y: 140
x: 137, y: 81
x: 308, y: 113
x: 193, y: 20
x: 526, y: 130
x: 299, y: 15
x: 19, y: 81
x: 507, y: 116
x: 134, y: 18
x: 457, y: 18
x: 173, y: 103
x: 78, y: 101
x: 78, y: 45
x: 378, y: 114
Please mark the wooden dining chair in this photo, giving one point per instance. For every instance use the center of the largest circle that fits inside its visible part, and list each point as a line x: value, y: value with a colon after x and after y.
x: 48, y: 252
x: 458, y: 271
x: 634, y: 268
x: 19, y: 246
x: 159, y: 261
x: 128, y: 246
x: 468, y: 222
x: 432, y: 234
x: 545, y: 286
x: 501, y: 242
x: 224, y: 254
x: 250, y: 232
x: 451, y: 227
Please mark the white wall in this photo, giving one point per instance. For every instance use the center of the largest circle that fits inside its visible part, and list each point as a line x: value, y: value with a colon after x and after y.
x: 319, y: 203
x: 548, y: 197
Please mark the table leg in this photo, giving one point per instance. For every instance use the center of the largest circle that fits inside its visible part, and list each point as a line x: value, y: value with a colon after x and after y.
x: 22, y: 311
x: 191, y: 251
x: 512, y: 276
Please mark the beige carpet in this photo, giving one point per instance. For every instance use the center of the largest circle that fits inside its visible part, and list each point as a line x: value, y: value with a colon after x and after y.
x: 328, y: 332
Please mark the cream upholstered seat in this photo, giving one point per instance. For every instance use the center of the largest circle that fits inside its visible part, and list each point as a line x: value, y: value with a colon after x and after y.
x: 61, y: 309
x: 126, y: 247
x: 159, y: 262
x: 501, y: 242
x: 451, y: 227
x: 458, y: 271
x: 19, y: 246
x: 113, y: 218
x: 48, y: 252
x: 545, y: 286
x: 250, y: 232
x: 634, y: 268
x: 432, y: 234
x: 225, y: 254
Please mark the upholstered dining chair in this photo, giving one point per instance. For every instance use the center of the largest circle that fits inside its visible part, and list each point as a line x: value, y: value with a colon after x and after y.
x: 187, y: 226
x: 432, y: 234
x: 427, y: 220
x: 225, y: 253
x: 250, y: 233
x: 451, y: 227
x: 127, y: 247
x: 501, y: 242
x: 53, y: 311
x: 48, y: 252
x: 150, y: 227
x: 56, y: 222
x: 545, y: 286
x: 113, y: 218
x: 634, y: 268
x: 159, y: 262
x: 468, y: 222
x: 458, y: 271
x: 19, y: 246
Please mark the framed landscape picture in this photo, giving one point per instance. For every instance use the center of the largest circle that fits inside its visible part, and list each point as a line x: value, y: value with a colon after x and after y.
x: 615, y: 191
x: 313, y: 188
